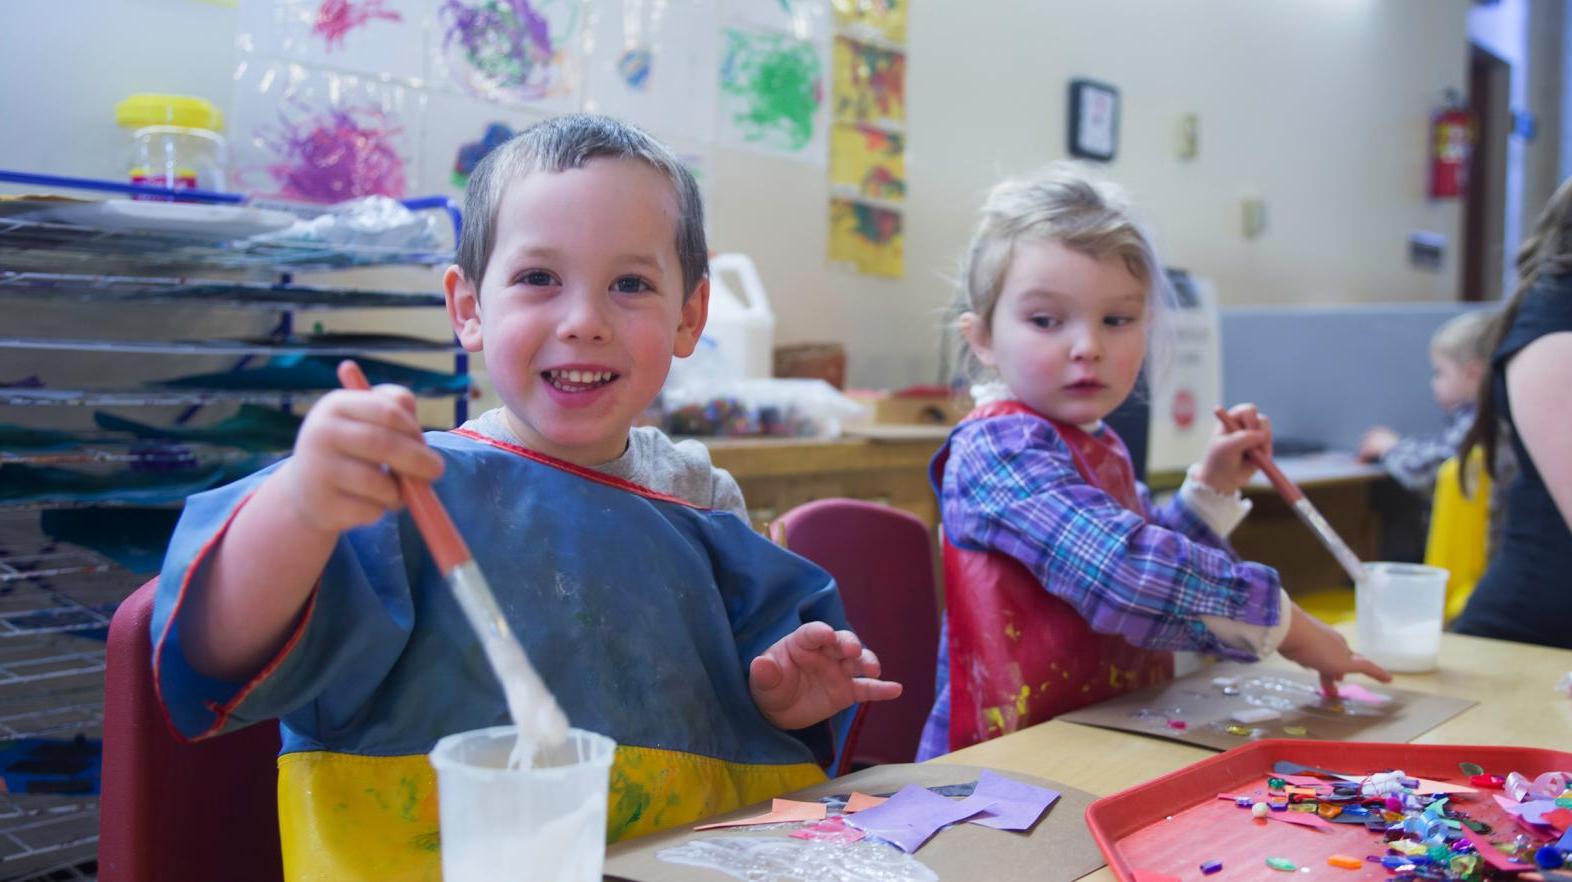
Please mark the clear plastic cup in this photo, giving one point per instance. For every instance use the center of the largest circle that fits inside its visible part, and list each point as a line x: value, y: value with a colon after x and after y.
x: 547, y: 822
x: 1398, y: 612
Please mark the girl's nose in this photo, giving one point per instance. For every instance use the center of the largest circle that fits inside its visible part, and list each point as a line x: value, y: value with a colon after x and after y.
x: 1087, y: 346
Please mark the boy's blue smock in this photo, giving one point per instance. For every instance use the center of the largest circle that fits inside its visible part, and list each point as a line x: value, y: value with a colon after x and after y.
x: 640, y: 611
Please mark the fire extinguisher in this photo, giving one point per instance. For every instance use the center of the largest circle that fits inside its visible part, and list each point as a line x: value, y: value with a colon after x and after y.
x: 1451, y: 143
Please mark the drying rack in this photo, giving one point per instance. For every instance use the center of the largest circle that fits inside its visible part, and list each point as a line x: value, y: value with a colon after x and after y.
x: 56, y: 598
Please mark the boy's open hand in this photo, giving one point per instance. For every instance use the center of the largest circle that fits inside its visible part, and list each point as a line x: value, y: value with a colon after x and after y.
x: 336, y: 479
x: 1312, y: 643
x: 812, y: 673
x: 1225, y: 468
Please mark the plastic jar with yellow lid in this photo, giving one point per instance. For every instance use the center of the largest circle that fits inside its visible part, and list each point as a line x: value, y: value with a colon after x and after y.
x: 175, y: 141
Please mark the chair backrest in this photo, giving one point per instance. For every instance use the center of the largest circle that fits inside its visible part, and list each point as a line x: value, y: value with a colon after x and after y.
x: 170, y: 810
x: 882, y: 559
x: 1460, y: 530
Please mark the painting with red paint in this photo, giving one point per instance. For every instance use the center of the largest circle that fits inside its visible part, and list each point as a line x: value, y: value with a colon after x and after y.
x: 870, y: 84
x: 322, y: 137
x: 382, y: 37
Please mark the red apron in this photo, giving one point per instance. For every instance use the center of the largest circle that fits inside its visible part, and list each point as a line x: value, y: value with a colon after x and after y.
x: 1019, y: 655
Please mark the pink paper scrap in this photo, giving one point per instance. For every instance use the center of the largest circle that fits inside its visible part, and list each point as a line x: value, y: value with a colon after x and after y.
x: 1356, y: 692
x: 1017, y: 805
x: 828, y: 830
x: 914, y: 814
x: 781, y: 811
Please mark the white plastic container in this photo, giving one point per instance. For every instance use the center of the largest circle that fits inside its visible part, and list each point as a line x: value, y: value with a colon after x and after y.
x: 545, y: 823
x: 1398, y: 610
x: 741, y: 325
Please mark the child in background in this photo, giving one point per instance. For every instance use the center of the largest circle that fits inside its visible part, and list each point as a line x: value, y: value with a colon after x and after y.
x: 1064, y: 585
x: 649, y: 606
x: 1458, y: 356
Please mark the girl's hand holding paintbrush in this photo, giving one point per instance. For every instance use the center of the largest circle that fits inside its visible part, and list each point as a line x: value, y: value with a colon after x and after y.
x: 1228, y: 465
x: 1244, y: 444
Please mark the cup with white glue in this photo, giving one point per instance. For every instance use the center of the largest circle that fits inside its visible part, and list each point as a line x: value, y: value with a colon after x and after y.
x: 546, y: 820
x: 1398, y: 611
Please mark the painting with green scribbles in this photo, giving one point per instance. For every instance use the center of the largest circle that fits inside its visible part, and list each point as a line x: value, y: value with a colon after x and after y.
x: 772, y: 92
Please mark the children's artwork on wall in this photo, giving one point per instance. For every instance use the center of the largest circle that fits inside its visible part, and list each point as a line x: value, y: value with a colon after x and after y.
x: 522, y: 52
x: 652, y: 63
x: 384, y: 37
x: 315, y: 136
x: 871, y: 20
x: 803, y: 19
x: 772, y: 93
x: 458, y: 132
x: 867, y: 162
x: 867, y: 237
x: 870, y: 83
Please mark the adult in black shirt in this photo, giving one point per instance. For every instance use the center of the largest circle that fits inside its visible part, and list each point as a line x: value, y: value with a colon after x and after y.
x: 1526, y: 592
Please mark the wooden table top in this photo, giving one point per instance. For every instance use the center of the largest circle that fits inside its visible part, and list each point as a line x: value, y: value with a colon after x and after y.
x: 1514, y: 683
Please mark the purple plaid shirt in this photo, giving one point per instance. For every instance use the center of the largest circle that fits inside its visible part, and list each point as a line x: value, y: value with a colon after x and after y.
x: 1010, y: 486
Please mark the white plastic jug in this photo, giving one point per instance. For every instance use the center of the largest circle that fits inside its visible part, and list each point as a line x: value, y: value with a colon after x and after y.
x: 741, y: 326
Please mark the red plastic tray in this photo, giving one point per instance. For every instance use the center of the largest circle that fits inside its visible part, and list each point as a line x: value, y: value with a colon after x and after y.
x: 1173, y: 824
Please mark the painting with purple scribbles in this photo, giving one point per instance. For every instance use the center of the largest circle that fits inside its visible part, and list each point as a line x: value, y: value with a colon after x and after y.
x: 512, y: 50
x: 336, y: 18
x: 337, y: 154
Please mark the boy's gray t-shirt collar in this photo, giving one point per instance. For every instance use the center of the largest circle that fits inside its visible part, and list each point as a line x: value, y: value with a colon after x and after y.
x: 651, y: 460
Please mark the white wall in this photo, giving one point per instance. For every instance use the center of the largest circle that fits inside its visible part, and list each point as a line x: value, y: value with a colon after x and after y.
x: 1320, y: 107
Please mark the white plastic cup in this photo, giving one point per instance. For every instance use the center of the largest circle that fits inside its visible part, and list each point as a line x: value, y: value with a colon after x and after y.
x: 1398, y: 612
x: 547, y: 822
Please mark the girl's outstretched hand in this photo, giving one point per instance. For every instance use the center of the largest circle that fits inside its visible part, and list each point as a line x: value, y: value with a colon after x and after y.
x: 1225, y: 467
x: 1312, y: 643
x: 814, y: 672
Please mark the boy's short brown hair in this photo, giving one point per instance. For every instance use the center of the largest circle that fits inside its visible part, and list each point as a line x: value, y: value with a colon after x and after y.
x: 569, y: 142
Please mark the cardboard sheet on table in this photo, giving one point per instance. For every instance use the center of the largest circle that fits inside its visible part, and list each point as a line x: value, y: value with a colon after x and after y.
x: 1057, y: 849
x: 1206, y: 711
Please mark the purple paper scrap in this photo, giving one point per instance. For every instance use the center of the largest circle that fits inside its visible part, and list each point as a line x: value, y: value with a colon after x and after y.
x: 914, y: 814
x: 1017, y: 805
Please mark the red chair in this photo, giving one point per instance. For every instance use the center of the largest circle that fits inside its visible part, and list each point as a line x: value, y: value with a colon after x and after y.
x: 173, y: 811
x: 882, y: 558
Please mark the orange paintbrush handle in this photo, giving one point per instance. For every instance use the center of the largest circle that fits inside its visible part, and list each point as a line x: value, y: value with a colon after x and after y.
x: 1285, y: 488
x: 446, y: 545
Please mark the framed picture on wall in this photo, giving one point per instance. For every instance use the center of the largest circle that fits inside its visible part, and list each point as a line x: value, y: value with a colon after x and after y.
x: 1094, y: 120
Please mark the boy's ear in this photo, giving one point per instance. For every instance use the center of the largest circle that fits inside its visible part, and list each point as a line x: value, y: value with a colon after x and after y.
x: 976, y: 335
x: 695, y: 310
x: 463, y: 308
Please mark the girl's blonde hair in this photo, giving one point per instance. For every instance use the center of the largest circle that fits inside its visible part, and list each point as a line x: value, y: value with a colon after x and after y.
x: 1064, y: 204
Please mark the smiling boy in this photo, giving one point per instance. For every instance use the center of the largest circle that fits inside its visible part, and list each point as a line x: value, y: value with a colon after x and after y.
x: 650, y: 608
